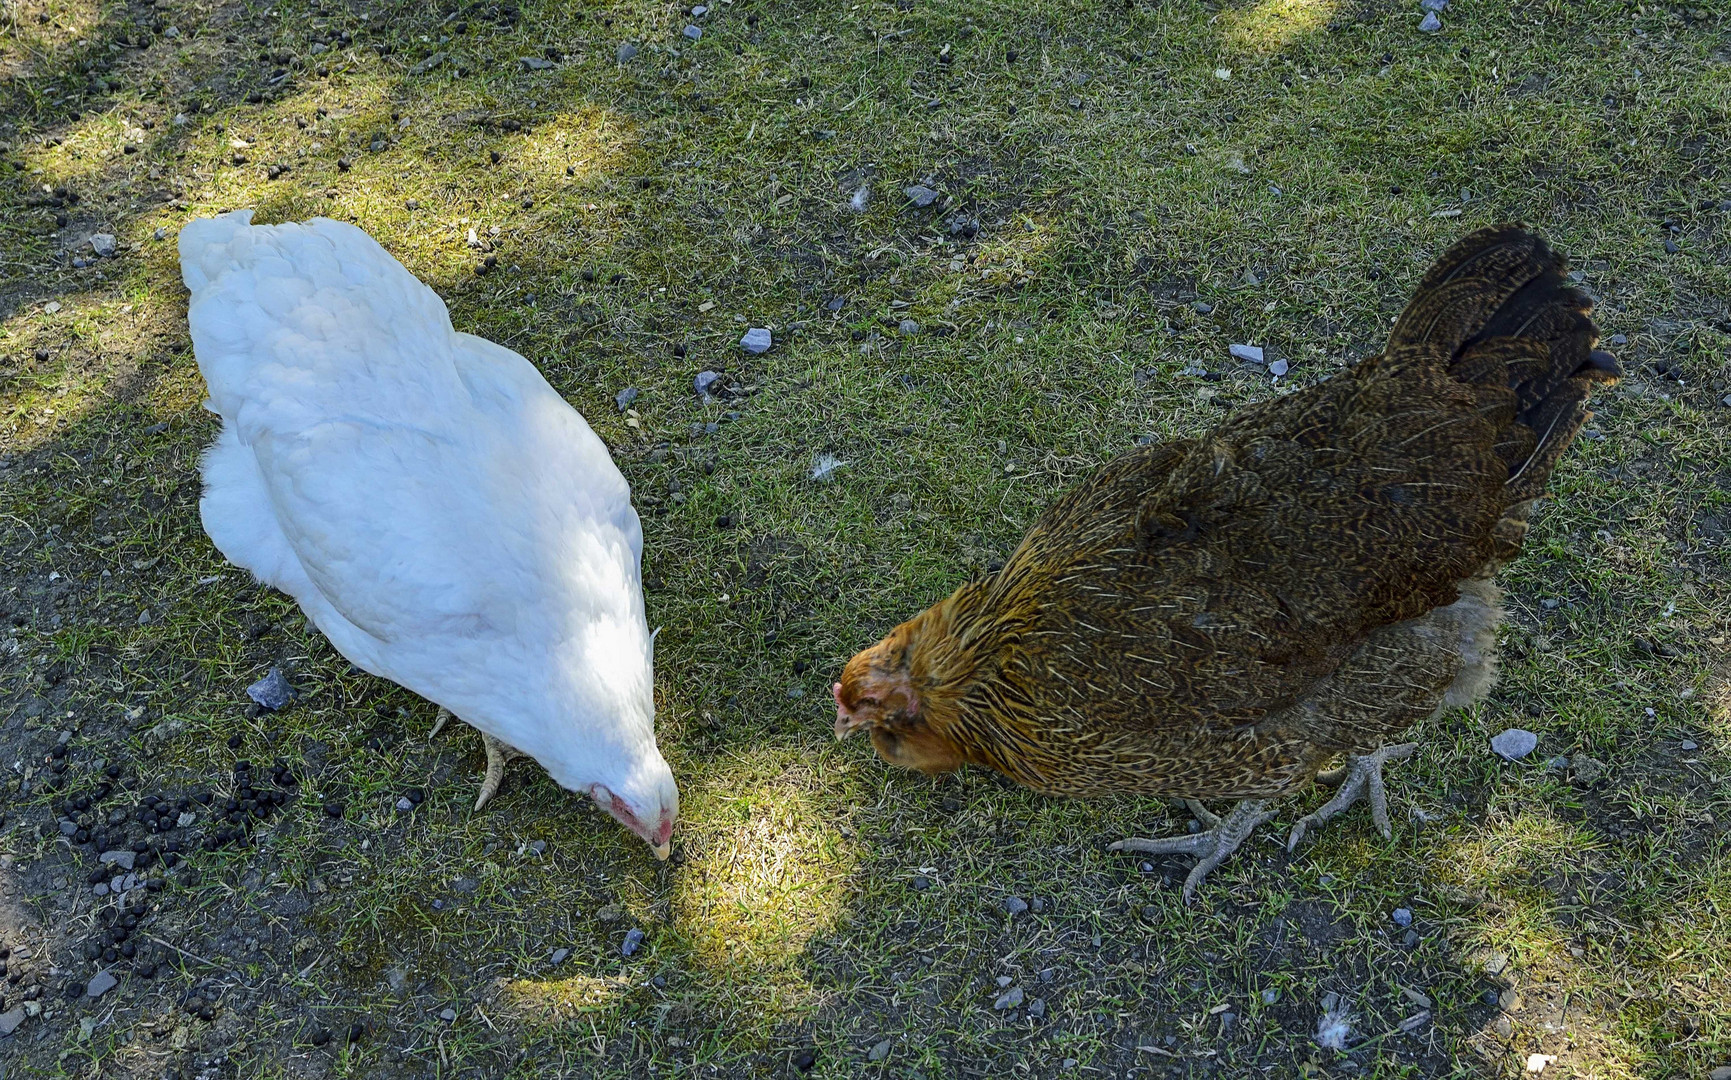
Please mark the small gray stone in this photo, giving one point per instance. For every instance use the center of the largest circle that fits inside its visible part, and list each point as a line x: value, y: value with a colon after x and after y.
x: 428, y: 64
x: 1689, y: 744
x: 103, y: 244
x: 1251, y: 353
x: 1514, y: 743
x: 1278, y: 368
x: 99, y: 889
x: 626, y: 52
x: 449, y: 1016
x: 537, y: 63
x: 9, y: 1021
x: 1431, y: 23
x: 756, y: 341
x: 1015, y: 905
x: 695, y: 33
x: 920, y: 195
x: 272, y: 692
x: 538, y: 847
x: 1401, y: 916
x: 1433, y: 5
x: 1009, y: 999
x: 625, y: 397
x: 1004, y: 981
x: 1037, y: 1008
x: 700, y: 11
x: 1203, y: 307
x: 101, y: 983
x: 908, y: 328
x: 186, y: 819
x: 879, y: 1052
x: 1723, y: 1072
x: 67, y: 828
x: 559, y: 956
x: 633, y: 940
x: 119, y: 857
x: 404, y: 804
x: 160, y: 234
x: 1495, y: 963
x: 1270, y: 996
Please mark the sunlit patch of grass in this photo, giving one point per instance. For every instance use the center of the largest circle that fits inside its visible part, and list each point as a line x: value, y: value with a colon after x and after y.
x: 766, y: 869
x: 555, y: 999
x: 1268, y: 26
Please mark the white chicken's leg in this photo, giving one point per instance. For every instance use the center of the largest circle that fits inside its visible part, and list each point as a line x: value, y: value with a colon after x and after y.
x: 1360, y: 778
x: 1219, y: 838
x: 498, y: 754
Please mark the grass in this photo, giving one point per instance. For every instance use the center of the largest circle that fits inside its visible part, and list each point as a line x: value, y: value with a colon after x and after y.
x: 1102, y: 169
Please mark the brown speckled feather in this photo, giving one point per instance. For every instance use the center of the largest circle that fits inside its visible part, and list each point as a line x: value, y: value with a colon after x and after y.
x: 1220, y: 616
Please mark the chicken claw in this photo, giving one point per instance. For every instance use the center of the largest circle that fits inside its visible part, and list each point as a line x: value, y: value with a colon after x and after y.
x: 1360, y: 778
x: 1219, y: 838
x: 498, y: 753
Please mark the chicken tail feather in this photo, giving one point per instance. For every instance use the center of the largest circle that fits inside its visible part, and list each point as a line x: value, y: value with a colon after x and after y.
x: 1500, y: 301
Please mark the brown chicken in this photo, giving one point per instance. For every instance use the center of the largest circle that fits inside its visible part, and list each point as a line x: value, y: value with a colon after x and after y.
x: 1220, y: 617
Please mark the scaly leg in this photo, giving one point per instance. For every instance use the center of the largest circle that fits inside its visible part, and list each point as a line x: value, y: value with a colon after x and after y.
x: 1219, y: 838
x: 498, y: 754
x: 1360, y: 778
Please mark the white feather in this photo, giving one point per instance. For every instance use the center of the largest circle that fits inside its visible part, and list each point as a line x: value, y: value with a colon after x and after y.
x: 439, y: 512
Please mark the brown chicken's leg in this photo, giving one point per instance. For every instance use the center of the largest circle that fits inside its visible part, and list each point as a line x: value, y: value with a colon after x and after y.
x: 1219, y: 838
x: 1360, y: 778
x: 498, y: 754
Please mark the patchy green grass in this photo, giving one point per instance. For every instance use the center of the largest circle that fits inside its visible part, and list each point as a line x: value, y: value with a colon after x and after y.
x: 1104, y: 170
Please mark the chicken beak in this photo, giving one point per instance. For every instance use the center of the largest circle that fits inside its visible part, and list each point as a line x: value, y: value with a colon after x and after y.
x: 844, y: 720
x: 663, y: 850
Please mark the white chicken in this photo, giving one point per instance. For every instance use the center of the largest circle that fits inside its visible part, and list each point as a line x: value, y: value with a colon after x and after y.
x: 438, y: 511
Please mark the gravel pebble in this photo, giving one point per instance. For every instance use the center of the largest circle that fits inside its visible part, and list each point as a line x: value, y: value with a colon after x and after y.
x: 9, y: 1021
x: 879, y: 1052
x: 103, y: 244
x: 1278, y: 368
x: 1514, y: 743
x: 756, y: 341
x: 625, y: 397
x: 1401, y: 916
x: 1009, y: 999
x: 908, y: 328
x: 920, y: 195
x: 122, y: 858
x: 101, y: 983
x: 1431, y: 23
x: 633, y: 940
x: 1251, y: 353
x: 559, y: 956
x: 695, y: 33
x: 272, y: 692
x: 626, y: 52
x: 1015, y: 905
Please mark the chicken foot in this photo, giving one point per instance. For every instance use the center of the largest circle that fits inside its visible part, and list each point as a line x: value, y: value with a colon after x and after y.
x: 498, y: 753
x: 1219, y: 838
x: 1359, y: 778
